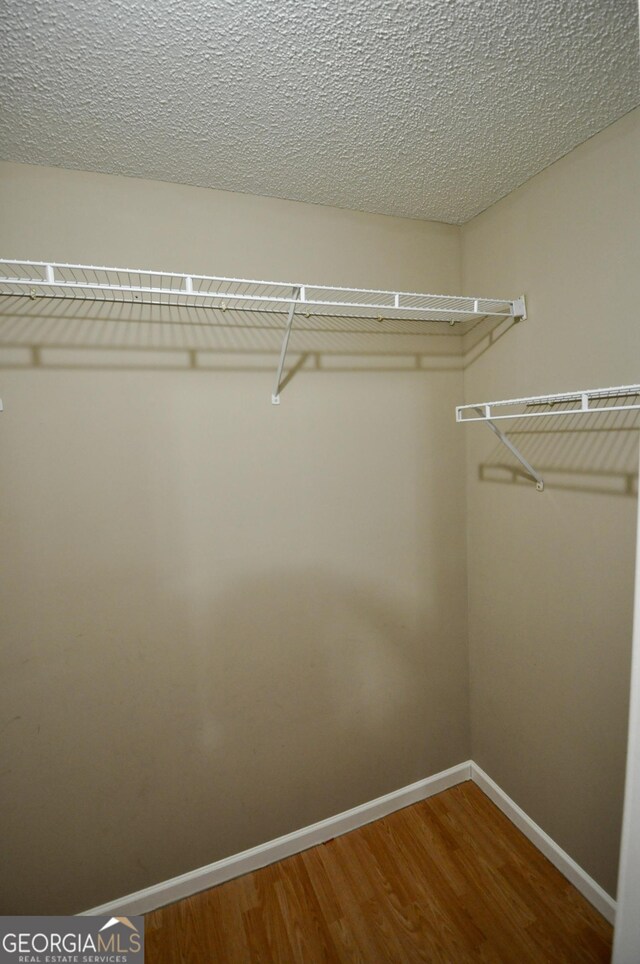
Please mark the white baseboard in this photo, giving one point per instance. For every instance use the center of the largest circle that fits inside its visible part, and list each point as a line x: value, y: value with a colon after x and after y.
x: 190, y: 883
x: 558, y: 857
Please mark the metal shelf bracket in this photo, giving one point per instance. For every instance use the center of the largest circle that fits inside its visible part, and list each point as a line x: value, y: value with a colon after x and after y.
x: 275, y: 398
x: 517, y: 453
x: 520, y: 308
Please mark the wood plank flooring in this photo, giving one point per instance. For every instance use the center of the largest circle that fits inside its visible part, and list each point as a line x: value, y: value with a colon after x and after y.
x: 449, y: 879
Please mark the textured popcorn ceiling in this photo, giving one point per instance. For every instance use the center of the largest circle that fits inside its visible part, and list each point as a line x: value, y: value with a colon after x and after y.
x: 426, y: 108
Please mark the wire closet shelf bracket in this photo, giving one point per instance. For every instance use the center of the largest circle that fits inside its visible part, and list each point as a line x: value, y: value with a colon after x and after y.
x: 58, y: 280
x: 624, y: 398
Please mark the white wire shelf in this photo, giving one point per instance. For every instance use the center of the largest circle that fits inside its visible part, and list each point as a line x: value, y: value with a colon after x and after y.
x: 53, y: 279
x: 588, y: 401
x: 593, y: 401
x: 57, y: 280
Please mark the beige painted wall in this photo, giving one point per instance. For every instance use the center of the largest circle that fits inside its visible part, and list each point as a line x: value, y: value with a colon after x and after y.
x: 551, y: 575
x: 221, y: 621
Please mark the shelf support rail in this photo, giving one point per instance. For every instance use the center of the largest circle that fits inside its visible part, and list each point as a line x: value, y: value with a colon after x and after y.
x: 516, y: 452
x: 296, y: 294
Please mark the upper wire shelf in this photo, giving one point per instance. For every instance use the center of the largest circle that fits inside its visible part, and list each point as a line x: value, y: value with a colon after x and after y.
x: 54, y: 279
x: 58, y: 280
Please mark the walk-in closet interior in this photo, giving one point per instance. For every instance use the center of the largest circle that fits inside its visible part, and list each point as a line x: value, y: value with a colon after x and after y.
x: 277, y: 559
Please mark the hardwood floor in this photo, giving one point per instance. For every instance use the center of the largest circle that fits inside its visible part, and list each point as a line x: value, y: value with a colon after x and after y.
x: 449, y: 879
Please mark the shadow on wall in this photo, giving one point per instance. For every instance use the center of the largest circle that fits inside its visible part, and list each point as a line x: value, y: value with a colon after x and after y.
x: 66, y: 333
x: 579, y: 453
x: 483, y: 335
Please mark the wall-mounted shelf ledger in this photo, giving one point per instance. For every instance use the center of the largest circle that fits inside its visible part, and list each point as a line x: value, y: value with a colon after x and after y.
x: 57, y: 280
x: 595, y: 401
